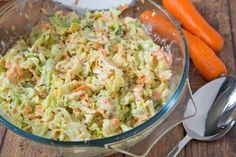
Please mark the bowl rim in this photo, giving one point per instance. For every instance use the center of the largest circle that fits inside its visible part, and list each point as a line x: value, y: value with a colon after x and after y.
x: 125, y: 135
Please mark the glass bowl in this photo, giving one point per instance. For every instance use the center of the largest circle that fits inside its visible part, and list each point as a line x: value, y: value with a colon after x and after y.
x: 17, y: 19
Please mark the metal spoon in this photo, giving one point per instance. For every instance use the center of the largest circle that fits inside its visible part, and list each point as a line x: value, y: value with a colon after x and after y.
x: 82, y: 6
x: 216, y: 108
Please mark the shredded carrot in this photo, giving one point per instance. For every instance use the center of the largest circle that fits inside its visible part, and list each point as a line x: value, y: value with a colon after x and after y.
x: 11, y: 76
x: 77, y: 110
x: 105, y: 20
x: 100, y: 30
x: 38, y: 108
x: 27, y: 109
x: 106, y: 100
x: 81, y: 87
x: 85, y: 97
x: 140, y: 85
x: 32, y: 116
x: 141, y: 79
x: 8, y: 64
x: 14, y: 110
x: 42, y: 95
x: 102, y: 111
x: 115, y: 121
x: 156, y: 95
x: 20, y: 72
x: 46, y: 26
x: 98, y: 45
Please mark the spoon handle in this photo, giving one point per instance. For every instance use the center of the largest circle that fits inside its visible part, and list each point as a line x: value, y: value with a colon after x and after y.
x: 175, y: 151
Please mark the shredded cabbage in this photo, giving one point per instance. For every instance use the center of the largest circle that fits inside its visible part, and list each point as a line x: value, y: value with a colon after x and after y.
x: 80, y: 78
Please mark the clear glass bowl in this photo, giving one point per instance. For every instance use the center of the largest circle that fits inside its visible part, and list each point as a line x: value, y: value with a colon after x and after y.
x: 17, y: 19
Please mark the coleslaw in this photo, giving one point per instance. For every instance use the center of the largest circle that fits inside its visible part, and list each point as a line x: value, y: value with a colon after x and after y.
x: 79, y: 78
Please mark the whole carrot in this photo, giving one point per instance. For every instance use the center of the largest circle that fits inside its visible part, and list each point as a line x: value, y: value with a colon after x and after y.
x: 204, y: 58
x: 191, y: 19
x: 159, y: 24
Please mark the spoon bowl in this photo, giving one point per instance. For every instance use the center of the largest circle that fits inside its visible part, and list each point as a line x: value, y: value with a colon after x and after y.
x: 215, y: 116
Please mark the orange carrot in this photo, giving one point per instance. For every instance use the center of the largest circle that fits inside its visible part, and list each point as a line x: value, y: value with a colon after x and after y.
x: 159, y: 24
x: 191, y: 19
x: 20, y: 72
x: 204, y: 58
x: 27, y: 109
x: 82, y: 87
x: 115, y: 121
x: 106, y: 100
x: 11, y: 75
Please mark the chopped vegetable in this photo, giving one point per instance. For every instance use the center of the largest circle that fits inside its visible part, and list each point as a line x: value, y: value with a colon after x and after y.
x: 80, y: 78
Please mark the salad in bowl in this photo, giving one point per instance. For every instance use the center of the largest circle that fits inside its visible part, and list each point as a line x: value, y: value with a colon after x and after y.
x: 80, y: 78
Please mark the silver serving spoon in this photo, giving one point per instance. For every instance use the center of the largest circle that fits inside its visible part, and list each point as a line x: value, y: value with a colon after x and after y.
x: 215, y: 116
x: 82, y: 6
